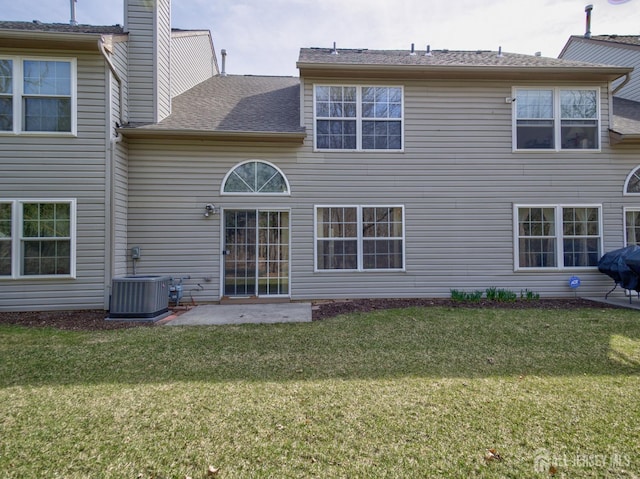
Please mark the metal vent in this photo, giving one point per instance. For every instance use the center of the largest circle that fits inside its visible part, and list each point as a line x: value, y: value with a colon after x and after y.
x: 139, y: 297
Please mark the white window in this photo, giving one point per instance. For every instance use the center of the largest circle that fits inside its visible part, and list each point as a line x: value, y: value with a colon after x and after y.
x: 632, y: 183
x: 359, y: 238
x: 6, y: 213
x: 631, y: 226
x: 37, y: 95
x: 37, y: 238
x: 255, y: 177
x: 557, y: 236
x: 556, y: 119
x: 358, y: 117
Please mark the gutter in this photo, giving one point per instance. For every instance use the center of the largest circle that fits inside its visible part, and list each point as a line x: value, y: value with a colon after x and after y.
x: 267, y: 136
x: 498, y: 72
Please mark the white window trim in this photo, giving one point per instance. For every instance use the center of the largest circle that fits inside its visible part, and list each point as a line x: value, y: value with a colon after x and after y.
x: 18, y: 87
x: 625, y: 210
x: 360, y: 239
x: 558, y: 236
x: 627, y: 180
x: 358, y: 118
x: 16, y: 238
x: 557, y: 123
x: 254, y: 193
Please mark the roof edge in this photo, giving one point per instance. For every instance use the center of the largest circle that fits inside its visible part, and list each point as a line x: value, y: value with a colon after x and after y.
x: 616, y: 138
x: 465, y: 71
x: 51, y: 40
x: 263, y: 136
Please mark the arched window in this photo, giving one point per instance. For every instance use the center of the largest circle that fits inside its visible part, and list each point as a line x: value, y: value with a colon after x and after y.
x: 632, y: 184
x: 255, y: 177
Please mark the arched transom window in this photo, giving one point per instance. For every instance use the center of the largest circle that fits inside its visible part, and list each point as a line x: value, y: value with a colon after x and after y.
x: 632, y: 184
x: 255, y: 177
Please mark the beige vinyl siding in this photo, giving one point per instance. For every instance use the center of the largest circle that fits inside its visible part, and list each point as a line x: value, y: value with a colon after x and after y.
x: 192, y: 60
x: 163, y: 56
x: 119, y: 60
x: 51, y: 167
x: 139, y: 22
x: 621, y: 55
x: 458, y: 180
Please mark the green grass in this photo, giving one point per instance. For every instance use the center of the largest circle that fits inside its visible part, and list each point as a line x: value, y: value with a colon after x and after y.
x: 400, y: 393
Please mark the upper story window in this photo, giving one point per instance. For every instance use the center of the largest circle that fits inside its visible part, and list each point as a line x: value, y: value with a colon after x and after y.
x: 37, y: 95
x: 358, y: 117
x: 255, y: 177
x: 557, y: 119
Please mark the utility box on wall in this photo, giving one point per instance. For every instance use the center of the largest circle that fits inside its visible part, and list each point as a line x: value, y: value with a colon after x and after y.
x: 139, y: 297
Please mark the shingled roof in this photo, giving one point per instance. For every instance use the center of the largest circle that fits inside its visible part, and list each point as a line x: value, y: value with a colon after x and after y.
x: 231, y: 105
x: 363, y: 56
x: 37, y: 26
x: 622, y: 39
x: 626, y: 121
x: 450, y: 63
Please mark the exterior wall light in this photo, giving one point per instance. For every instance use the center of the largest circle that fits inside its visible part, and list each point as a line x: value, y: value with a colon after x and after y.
x: 211, y: 209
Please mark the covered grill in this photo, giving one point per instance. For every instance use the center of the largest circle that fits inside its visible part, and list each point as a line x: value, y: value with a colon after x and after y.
x: 623, y: 266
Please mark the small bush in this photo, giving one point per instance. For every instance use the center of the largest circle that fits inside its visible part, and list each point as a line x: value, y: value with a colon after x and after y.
x: 529, y: 295
x: 505, y: 295
x: 492, y: 294
x: 458, y: 295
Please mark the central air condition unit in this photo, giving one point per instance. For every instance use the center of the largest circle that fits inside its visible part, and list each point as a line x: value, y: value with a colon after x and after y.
x: 139, y: 297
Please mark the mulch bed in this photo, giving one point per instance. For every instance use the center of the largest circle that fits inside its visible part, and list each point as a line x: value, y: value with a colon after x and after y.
x: 333, y: 308
x: 92, y: 320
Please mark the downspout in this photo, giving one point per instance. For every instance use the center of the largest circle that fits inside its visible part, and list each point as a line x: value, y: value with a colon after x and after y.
x: 110, y: 214
x: 627, y: 79
x: 115, y: 74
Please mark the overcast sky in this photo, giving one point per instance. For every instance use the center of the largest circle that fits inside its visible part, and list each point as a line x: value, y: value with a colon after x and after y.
x: 263, y: 37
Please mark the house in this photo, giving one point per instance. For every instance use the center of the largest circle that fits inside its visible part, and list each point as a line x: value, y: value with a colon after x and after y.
x: 622, y: 50
x: 64, y: 90
x: 373, y: 174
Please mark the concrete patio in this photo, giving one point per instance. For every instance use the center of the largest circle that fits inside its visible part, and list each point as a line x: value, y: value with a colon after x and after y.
x: 217, y: 314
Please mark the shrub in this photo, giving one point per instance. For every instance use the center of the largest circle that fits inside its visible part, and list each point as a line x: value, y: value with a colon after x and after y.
x: 458, y: 295
x: 529, y: 295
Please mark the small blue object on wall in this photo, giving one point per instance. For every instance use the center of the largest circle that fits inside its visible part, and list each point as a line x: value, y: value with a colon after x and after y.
x: 574, y: 282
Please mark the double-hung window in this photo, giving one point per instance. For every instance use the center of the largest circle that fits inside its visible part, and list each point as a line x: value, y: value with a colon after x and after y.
x: 37, y: 238
x: 557, y: 236
x: 358, y: 117
x: 37, y: 95
x: 359, y: 238
x: 632, y: 226
x: 556, y: 119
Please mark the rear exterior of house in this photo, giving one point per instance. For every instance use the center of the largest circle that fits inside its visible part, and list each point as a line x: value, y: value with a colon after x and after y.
x: 63, y: 169
x: 374, y: 174
x: 412, y: 179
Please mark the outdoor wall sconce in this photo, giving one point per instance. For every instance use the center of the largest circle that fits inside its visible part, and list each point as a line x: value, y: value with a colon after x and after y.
x: 211, y: 209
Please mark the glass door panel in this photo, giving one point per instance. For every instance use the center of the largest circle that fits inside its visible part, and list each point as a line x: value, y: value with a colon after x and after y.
x: 256, y: 260
x: 240, y: 253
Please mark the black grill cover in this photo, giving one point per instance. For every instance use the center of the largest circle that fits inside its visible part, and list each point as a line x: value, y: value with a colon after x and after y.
x: 633, y: 261
x: 615, y: 265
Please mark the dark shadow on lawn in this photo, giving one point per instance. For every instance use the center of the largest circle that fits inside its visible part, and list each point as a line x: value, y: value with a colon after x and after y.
x: 412, y: 342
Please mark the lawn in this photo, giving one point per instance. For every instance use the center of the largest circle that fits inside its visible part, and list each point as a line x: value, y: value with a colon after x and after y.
x: 419, y: 392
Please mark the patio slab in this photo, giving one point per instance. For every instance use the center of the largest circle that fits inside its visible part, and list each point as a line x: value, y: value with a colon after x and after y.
x: 217, y: 314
